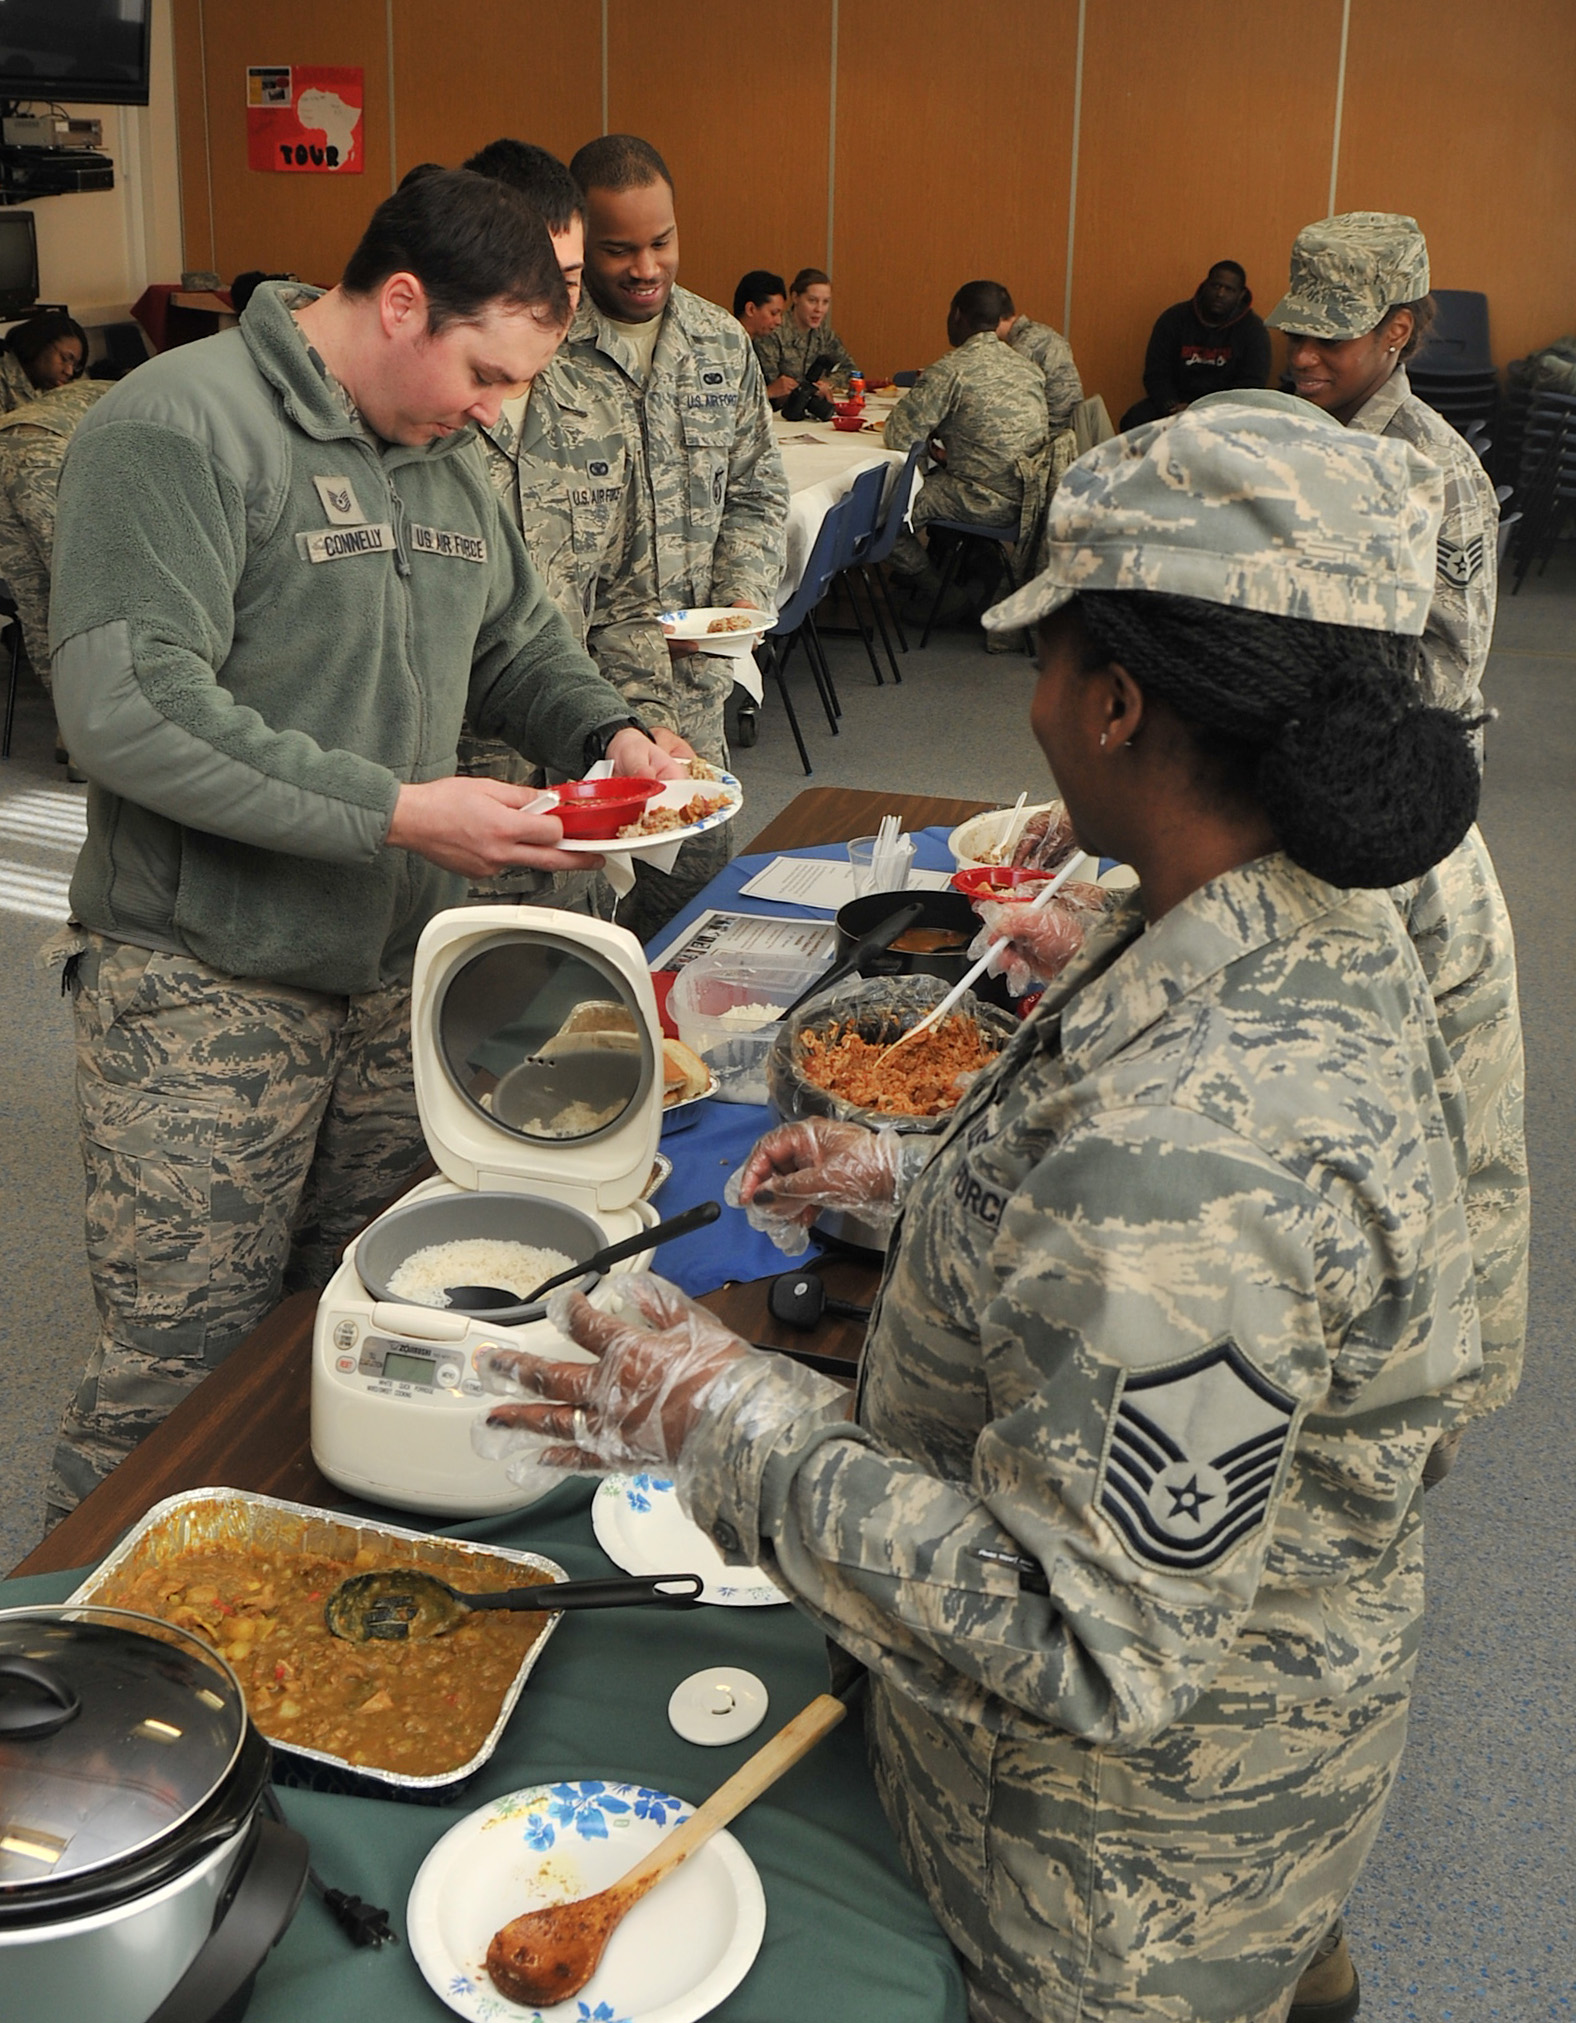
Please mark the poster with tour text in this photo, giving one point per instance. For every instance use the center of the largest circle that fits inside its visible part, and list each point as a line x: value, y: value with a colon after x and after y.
x: 304, y: 119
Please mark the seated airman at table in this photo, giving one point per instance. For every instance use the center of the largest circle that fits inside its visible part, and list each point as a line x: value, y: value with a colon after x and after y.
x: 804, y: 346
x: 1051, y: 352
x: 759, y: 301
x: 981, y: 409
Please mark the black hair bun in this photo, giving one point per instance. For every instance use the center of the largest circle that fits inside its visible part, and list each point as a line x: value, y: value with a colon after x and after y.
x: 1364, y: 794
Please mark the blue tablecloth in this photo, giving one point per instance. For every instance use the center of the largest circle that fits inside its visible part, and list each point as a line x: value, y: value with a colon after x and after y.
x: 706, y: 1151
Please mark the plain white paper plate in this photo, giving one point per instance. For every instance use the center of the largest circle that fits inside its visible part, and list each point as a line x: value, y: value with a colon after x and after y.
x: 674, y: 794
x: 639, y: 1525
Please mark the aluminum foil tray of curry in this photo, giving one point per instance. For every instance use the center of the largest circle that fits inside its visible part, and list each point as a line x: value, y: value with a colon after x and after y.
x: 250, y: 1573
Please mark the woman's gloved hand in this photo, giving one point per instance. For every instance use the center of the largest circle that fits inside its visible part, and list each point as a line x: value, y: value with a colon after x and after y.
x: 654, y: 1375
x: 801, y: 1169
x: 1037, y: 943
x: 1046, y: 840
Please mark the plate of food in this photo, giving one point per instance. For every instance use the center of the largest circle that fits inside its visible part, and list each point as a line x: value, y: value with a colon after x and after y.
x: 639, y: 1525
x: 718, y: 627
x: 684, y: 808
x: 671, y: 1959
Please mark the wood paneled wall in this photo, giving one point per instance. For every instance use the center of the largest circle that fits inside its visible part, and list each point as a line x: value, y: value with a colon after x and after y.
x: 1203, y: 132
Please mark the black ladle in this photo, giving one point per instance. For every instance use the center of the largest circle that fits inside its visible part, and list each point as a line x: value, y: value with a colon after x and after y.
x: 489, y: 1298
x: 402, y: 1604
x: 881, y: 936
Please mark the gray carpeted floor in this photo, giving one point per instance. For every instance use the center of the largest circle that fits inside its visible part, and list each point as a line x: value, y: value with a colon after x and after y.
x: 1465, y: 1909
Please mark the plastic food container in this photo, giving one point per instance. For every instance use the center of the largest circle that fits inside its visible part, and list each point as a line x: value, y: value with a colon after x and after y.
x: 727, y: 1008
x: 595, y: 810
x: 848, y: 423
x: 977, y: 840
x: 1000, y: 881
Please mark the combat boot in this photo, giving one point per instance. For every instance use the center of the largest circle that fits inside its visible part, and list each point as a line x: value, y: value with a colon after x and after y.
x: 1327, y: 1991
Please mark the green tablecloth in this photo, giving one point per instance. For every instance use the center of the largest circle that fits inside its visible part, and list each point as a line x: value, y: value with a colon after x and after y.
x: 848, y: 1938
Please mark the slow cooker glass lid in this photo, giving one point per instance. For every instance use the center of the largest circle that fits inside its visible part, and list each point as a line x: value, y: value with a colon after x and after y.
x: 114, y: 1729
x: 544, y: 1038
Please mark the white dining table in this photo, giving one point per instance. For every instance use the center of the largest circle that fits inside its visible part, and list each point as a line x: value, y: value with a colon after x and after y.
x: 822, y: 463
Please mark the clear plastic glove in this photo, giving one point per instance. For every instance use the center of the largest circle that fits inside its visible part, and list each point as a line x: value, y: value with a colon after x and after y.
x: 1037, y: 943
x: 657, y: 1371
x: 799, y: 1170
x: 1046, y: 841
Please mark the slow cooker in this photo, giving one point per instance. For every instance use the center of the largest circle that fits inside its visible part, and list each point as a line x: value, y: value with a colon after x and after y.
x: 140, y: 1881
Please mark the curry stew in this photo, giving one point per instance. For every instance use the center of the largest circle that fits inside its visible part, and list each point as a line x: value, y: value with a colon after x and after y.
x: 418, y: 1709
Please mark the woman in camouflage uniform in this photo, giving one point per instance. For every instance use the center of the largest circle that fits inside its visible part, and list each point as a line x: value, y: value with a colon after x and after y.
x: 1127, y: 1524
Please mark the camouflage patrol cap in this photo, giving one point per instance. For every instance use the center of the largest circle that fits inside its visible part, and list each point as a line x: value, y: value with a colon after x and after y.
x: 1257, y: 500
x: 1347, y: 271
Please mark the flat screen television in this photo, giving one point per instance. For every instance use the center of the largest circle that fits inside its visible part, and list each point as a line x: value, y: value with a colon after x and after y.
x: 79, y: 52
x: 18, y: 263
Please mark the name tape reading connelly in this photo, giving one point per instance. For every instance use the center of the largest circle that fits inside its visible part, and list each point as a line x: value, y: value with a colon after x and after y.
x: 333, y: 544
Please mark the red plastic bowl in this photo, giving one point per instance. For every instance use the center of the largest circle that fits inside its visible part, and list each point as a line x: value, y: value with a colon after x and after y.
x: 848, y: 407
x: 1000, y: 881
x: 847, y: 422
x: 595, y: 810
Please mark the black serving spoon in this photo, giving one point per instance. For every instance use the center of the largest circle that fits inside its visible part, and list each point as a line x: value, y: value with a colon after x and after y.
x: 404, y: 1603
x: 490, y: 1298
x: 881, y: 936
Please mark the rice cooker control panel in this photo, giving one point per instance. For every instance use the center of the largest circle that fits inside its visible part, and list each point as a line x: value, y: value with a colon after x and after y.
x: 389, y: 1368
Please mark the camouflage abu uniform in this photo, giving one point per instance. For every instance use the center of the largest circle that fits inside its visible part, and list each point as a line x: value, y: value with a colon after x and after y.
x: 1128, y: 1529
x: 706, y: 524
x: 1050, y: 351
x: 1460, y: 927
x: 987, y: 405
x: 789, y: 351
x: 242, y: 1002
x: 1347, y: 273
x: 563, y: 475
x: 16, y: 389
x: 33, y: 443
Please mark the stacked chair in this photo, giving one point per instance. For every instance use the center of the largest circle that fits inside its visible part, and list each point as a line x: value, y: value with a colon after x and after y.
x: 1547, y: 479
x: 1454, y: 371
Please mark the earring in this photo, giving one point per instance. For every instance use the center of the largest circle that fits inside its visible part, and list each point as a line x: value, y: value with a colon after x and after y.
x: 1103, y: 736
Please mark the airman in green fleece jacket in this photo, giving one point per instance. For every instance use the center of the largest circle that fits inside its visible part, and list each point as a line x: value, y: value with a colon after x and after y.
x: 281, y: 580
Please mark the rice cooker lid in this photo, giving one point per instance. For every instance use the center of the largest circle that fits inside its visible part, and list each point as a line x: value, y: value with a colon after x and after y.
x: 114, y: 1730
x: 534, y: 1042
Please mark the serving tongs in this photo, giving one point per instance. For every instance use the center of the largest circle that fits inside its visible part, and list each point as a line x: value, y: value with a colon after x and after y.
x: 403, y: 1604
x: 972, y: 976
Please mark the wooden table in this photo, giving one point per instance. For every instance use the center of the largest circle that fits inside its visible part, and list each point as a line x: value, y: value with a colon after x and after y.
x: 247, y: 1426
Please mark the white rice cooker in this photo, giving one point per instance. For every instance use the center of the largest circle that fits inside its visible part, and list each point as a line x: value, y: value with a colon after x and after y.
x: 139, y: 1881
x: 538, y: 1060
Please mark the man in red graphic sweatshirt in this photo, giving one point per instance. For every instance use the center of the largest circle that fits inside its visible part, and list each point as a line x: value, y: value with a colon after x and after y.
x: 1205, y: 345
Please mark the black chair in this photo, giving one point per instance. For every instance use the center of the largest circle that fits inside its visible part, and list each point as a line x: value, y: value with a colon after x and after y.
x: 1547, y: 481
x: 13, y: 618
x: 905, y: 379
x: 963, y: 535
x: 1457, y: 345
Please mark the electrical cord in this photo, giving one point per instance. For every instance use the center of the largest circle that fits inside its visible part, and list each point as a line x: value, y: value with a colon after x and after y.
x: 366, y: 1924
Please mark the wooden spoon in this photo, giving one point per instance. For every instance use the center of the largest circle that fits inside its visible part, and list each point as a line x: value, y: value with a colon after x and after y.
x: 548, y: 1955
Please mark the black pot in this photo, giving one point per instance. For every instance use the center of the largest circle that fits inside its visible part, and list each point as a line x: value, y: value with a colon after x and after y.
x: 138, y: 1879
x: 949, y: 911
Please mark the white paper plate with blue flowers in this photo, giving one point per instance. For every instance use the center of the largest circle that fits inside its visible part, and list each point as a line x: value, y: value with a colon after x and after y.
x: 639, y: 1525
x: 678, y: 1953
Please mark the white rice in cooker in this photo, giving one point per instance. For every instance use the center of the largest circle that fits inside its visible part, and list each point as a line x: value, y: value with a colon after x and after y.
x: 519, y: 1268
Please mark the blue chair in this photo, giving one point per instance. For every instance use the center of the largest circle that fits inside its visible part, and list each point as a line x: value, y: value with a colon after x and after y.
x: 883, y: 544
x: 861, y: 525
x: 796, y: 621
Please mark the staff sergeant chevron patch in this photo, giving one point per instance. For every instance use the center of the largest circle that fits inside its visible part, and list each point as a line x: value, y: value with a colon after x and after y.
x: 1460, y: 561
x: 1191, y: 1458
